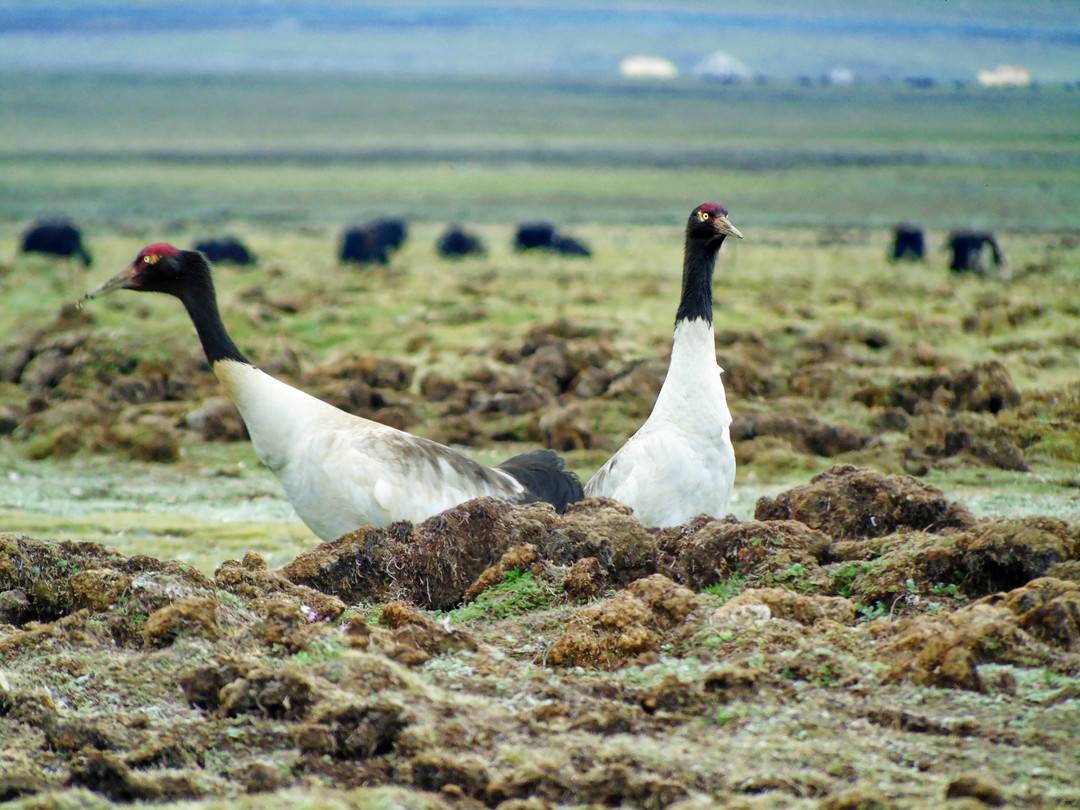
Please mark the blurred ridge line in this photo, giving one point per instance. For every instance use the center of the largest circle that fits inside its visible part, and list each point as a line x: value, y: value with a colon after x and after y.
x: 169, y: 17
x: 745, y: 159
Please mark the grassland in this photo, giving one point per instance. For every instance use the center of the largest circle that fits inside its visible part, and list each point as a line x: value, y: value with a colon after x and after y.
x: 328, y: 149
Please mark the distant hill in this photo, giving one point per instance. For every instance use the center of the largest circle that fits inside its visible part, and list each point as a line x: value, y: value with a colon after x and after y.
x: 543, y: 37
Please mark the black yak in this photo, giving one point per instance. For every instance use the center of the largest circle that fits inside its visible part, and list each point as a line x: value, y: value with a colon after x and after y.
x: 391, y: 232
x: 226, y: 249
x: 544, y: 236
x: 968, y: 253
x: 56, y: 237
x: 533, y: 235
x: 374, y: 242
x: 908, y: 243
x: 457, y: 242
x: 568, y: 246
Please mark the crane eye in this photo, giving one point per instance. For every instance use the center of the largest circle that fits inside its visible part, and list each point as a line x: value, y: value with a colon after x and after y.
x: 704, y: 215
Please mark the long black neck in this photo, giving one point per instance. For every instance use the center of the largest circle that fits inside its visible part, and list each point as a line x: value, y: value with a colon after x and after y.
x: 201, y: 304
x: 699, y: 261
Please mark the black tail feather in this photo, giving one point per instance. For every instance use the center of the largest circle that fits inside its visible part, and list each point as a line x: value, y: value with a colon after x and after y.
x: 544, y: 475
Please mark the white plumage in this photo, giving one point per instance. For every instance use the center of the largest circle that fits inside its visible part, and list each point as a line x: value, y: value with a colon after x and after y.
x: 341, y: 471
x: 680, y: 463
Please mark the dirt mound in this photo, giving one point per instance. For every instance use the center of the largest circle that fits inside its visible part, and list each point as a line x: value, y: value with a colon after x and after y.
x: 983, y: 387
x: 784, y: 604
x: 967, y: 439
x: 999, y: 555
x: 217, y: 420
x: 772, y: 550
x: 41, y: 582
x: 455, y: 556
x: 849, y: 502
x: 431, y: 564
x: 252, y: 579
x: 804, y: 433
x: 946, y: 651
x: 628, y: 625
x: 375, y: 372
x: 435, y: 563
x: 1047, y: 608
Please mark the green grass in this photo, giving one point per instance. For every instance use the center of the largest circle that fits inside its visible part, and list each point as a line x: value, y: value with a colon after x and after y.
x: 519, y: 592
x: 329, y: 149
x: 726, y: 589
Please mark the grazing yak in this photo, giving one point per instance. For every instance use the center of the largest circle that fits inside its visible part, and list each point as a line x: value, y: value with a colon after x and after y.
x: 57, y: 237
x: 457, y: 242
x: 226, y: 249
x: 544, y: 236
x: 908, y: 243
x: 569, y: 246
x: 968, y: 253
x: 534, y: 235
x: 374, y: 242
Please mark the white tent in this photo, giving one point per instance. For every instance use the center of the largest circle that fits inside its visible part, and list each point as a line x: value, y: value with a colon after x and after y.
x: 840, y: 76
x: 1005, y: 76
x: 641, y: 66
x: 723, y: 67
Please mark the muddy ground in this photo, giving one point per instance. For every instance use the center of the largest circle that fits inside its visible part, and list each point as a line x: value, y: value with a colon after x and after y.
x: 863, y: 642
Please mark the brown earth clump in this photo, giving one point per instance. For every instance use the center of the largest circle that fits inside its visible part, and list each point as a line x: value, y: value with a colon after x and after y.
x: 796, y: 607
x: 414, y: 638
x: 435, y: 562
x: 1001, y: 554
x: 376, y: 372
x: 804, y: 433
x: 252, y: 579
x: 946, y: 651
x: 983, y: 387
x: 47, y: 581
x: 233, y: 686
x: 586, y: 579
x: 217, y: 420
x: 631, y: 623
x: 965, y: 438
x: 568, y: 427
x: 194, y: 615
x: 604, y: 529
x: 979, y: 787
x: 432, y: 563
x: 846, y: 502
x: 771, y: 550
x: 352, y: 730
x: 1047, y: 608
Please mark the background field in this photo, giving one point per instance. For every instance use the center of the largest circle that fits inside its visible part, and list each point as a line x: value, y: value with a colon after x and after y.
x: 328, y: 149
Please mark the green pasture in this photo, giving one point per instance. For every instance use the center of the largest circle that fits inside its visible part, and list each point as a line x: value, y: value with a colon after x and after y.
x: 323, y: 150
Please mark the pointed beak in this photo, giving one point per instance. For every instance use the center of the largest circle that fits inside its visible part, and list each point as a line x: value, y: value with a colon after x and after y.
x: 121, y: 280
x: 723, y: 225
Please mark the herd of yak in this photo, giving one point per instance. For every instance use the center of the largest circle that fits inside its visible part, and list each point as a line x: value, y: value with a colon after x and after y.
x: 371, y: 243
x: 375, y: 242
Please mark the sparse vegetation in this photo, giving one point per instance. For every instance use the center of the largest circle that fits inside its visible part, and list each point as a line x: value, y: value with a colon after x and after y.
x: 519, y: 592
